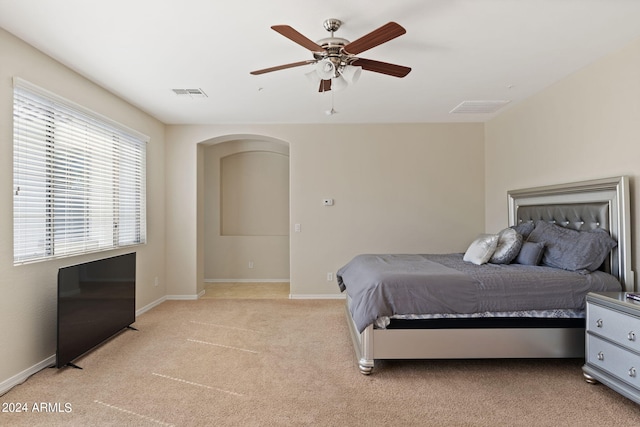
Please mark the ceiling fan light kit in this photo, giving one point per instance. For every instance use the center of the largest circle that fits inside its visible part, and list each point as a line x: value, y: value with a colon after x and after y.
x: 339, y: 76
x: 337, y: 65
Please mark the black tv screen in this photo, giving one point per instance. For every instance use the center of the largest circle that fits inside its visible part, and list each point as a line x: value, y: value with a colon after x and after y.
x: 96, y: 300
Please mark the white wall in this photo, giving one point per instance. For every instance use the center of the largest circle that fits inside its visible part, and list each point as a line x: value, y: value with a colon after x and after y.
x: 28, y: 292
x: 397, y: 188
x: 586, y: 126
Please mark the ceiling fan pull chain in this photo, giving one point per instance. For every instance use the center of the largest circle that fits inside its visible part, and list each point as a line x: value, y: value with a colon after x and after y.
x: 332, y: 111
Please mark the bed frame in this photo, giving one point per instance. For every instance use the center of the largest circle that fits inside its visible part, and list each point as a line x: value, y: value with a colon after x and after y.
x: 602, y: 203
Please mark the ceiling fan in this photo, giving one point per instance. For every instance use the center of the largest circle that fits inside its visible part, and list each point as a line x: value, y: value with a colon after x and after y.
x: 336, y: 62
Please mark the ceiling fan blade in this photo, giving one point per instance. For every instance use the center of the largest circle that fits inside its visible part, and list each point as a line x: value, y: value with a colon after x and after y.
x: 325, y: 86
x: 381, y: 67
x: 383, y: 34
x: 295, y: 36
x: 283, y: 67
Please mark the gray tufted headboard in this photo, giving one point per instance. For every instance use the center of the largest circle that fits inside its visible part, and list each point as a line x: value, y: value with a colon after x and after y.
x: 586, y: 205
x: 579, y: 216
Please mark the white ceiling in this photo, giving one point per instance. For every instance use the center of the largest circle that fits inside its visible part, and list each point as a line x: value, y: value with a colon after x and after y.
x: 459, y: 50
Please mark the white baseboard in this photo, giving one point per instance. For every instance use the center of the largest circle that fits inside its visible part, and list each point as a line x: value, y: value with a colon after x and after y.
x: 317, y: 296
x: 185, y: 297
x: 246, y: 280
x: 17, y: 379
x: 150, y: 306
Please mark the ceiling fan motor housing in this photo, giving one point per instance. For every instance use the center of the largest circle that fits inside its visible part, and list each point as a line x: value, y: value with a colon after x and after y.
x: 333, y: 46
x: 333, y: 51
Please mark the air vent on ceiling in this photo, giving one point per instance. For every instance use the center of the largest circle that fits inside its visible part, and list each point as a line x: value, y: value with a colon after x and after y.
x: 193, y: 93
x: 478, y: 107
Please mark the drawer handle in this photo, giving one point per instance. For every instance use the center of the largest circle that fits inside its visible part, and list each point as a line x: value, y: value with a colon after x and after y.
x: 632, y: 372
x: 632, y: 336
x: 599, y: 323
x: 600, y: 355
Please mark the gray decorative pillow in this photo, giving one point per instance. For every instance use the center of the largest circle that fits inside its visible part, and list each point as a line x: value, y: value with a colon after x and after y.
x: 530, y: 254
x: 481, y: 249
x: 570, y: 249
x: 524, y: 228
x: 509, y: 244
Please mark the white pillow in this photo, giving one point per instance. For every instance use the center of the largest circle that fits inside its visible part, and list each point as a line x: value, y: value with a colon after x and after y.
x: 481, y: 249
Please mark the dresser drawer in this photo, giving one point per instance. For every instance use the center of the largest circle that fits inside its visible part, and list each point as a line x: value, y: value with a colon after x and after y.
x: 617, y: 361
x: 616, y: 326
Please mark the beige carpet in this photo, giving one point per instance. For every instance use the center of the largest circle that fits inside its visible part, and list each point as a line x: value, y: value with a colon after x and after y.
x: 280, y: 362
x: 251, y: 290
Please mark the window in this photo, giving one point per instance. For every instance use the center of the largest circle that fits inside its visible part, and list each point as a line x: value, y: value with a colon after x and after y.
x: 79, y: 179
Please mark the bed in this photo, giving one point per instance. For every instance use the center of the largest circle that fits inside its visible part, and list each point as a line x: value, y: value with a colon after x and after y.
x: 459, y: 310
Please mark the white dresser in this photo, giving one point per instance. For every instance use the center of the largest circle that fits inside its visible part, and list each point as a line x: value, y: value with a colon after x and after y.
x: 613, y: 342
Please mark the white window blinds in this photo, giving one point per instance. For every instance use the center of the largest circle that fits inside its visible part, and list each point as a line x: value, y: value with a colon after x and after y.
x: 79, y: 179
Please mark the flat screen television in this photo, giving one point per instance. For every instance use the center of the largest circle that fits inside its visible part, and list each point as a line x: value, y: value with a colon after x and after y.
x: 96, y: 300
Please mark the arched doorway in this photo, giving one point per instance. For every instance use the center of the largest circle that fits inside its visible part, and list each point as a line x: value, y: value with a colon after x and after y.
x: 245, y: 211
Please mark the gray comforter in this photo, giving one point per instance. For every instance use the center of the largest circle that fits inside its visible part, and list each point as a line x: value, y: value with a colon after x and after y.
x: 385, y: 285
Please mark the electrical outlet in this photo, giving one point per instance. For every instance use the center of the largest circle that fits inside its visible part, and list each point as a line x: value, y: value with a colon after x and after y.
x: 329, y: 277
x: 155, y: 282
x: 250, y: 264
